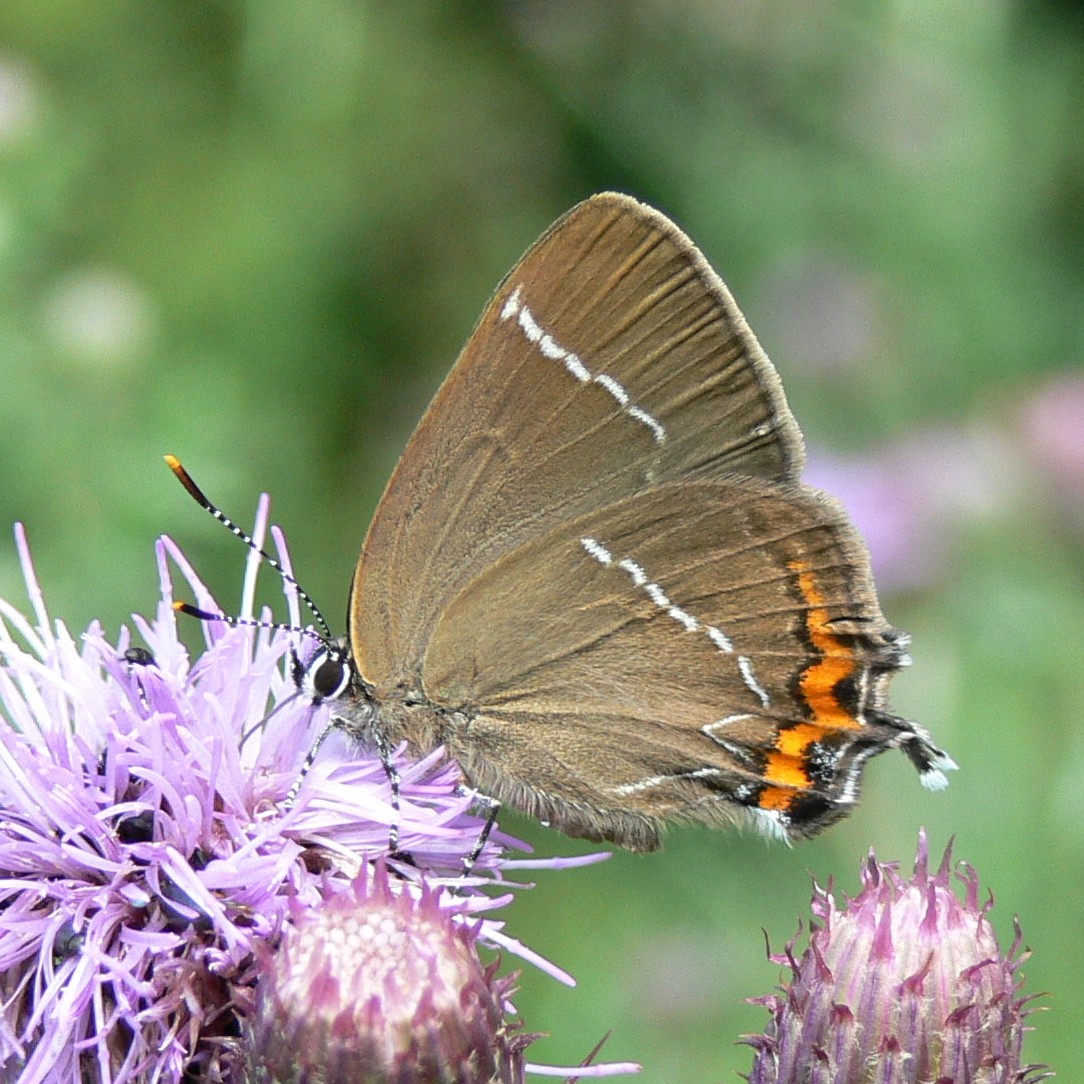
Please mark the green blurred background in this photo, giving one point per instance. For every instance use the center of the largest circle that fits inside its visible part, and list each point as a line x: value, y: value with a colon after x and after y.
x: 256, y: 234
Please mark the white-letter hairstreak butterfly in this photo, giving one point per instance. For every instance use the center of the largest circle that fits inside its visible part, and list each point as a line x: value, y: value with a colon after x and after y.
x: 595, y: 576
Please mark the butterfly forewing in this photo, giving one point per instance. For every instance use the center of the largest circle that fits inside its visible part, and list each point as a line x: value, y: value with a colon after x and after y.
x: 610, y: 360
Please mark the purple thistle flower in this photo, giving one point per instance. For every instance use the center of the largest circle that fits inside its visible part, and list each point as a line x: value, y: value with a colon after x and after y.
x: 148, y: 869
x: 904, y: 984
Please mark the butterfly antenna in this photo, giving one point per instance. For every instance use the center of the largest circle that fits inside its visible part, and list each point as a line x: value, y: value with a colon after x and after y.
x: 241, y: 622
x: 201, y: 499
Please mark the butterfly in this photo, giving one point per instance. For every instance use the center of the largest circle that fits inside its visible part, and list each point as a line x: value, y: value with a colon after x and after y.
x: 596, y: 577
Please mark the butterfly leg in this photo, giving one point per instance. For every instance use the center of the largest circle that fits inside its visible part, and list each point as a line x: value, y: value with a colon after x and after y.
x: 492, y: 808
x: 308, y: 762
x: 384, y: 750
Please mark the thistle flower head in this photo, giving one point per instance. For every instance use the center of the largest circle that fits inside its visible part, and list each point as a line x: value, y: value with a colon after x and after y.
x: 149, y: 867
x: 904, y: 984
x: 381, y: 986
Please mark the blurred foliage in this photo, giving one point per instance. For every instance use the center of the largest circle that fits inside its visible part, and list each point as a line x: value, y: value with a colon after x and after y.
x: 255, y: 234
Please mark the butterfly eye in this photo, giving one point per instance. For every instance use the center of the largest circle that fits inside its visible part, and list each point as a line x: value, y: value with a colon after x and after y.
x: 327, y: 676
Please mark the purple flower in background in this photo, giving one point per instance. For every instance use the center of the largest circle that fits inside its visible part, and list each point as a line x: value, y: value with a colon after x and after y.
x: 910, y: 497
x: 154, y: 890
x: 902, y: 533
x: 1052, y: 421
x: 904, y: 984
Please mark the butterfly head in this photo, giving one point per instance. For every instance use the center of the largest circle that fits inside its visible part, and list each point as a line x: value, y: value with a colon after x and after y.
x: 328, y: 674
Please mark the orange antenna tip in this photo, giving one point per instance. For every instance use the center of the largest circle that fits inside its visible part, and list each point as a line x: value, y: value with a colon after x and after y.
x: 185, y: 479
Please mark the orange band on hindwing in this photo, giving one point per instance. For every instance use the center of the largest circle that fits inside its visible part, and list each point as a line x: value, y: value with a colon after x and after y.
x: 837, y: 662
x: 787, y: 765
